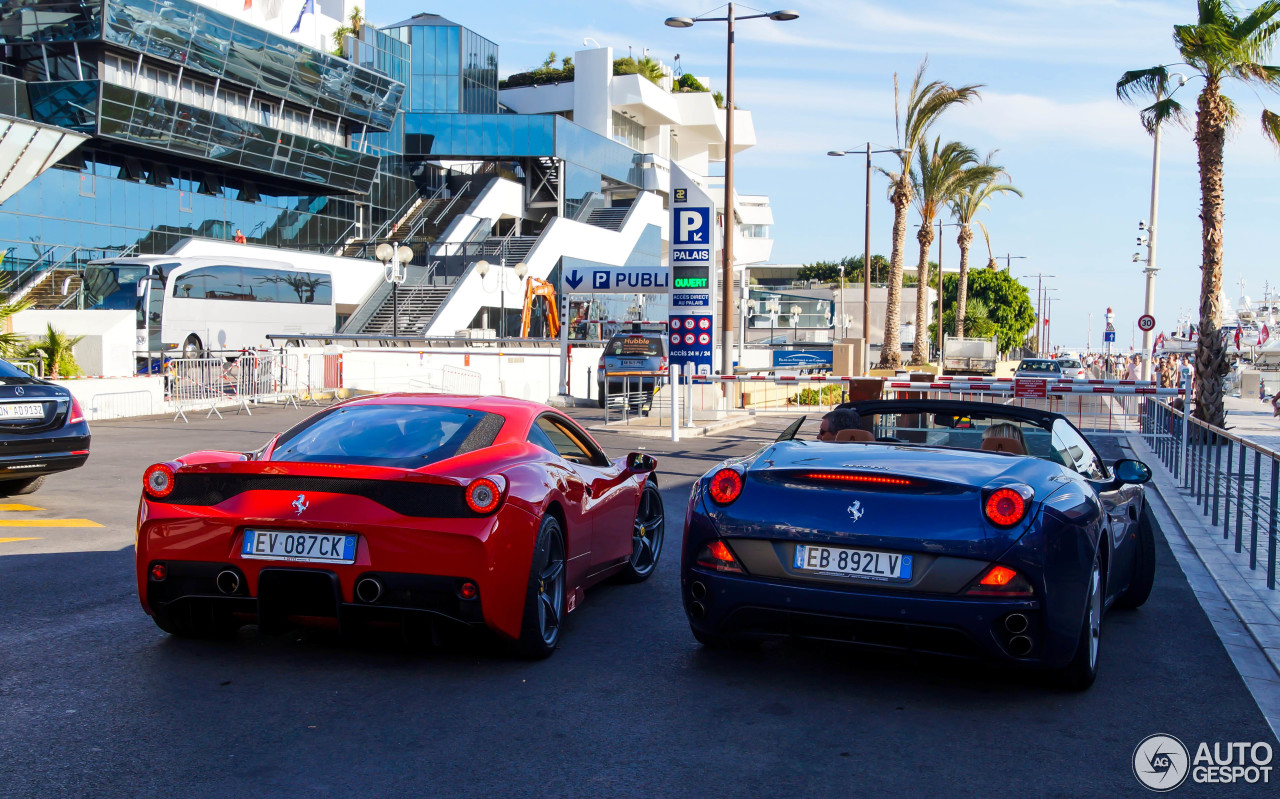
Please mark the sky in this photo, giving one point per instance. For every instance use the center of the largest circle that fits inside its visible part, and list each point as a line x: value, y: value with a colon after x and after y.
x: 1048, y: 70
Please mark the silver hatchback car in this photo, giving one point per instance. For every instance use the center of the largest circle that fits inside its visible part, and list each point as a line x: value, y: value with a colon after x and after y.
x: 1039, y: 367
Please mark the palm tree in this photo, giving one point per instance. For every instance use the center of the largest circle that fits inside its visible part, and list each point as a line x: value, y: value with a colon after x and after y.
x: 1221, y: 45
x: 11, y: 344
x: 925, y: 104
x: 55, y: 350
x: 964, y: 208
x: 937, y: 179
x: 354, y: 23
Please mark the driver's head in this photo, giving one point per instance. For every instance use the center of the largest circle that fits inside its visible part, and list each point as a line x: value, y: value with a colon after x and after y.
x: 837, y: 420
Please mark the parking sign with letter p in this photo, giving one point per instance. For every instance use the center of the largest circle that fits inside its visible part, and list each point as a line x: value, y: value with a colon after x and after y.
x: 693, y: 226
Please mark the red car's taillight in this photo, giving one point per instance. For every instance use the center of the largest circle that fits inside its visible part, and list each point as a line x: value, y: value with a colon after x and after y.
x: 1001, y: 581
x: 718, y: 557
x: 77, y: 415
x: 483, y: 496
x: 157, y: 480
x: 1006, y: 507
x: 725, y: 486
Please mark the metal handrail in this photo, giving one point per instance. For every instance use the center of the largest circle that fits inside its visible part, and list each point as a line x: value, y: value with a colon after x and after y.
x: 458, y: 196
x: 1193, y: 451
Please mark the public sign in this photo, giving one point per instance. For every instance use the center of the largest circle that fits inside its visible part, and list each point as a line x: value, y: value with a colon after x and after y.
x: 1109, y: 336
x: 802, y: 359
x: 1030, y: 388
x: 691, y: 282
x: 690, y: 343
x: 1146, y: 323
x: 616, y: 280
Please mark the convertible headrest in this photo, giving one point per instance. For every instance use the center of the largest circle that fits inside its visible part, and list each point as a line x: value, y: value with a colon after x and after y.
x: 854, y: 434
x: 999, y: 444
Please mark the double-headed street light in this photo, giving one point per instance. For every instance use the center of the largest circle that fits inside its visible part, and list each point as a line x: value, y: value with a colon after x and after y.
x: 521, y: 269
x: 393, y: 260
x: 726, y: 266
x: 866, y: 253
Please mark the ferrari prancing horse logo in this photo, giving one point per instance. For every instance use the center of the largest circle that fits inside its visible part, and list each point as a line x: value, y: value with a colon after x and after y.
x: 300, y: 504
x: 855, y: 510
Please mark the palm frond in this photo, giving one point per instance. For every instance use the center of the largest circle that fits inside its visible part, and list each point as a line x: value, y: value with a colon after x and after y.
x: 991, y: 258
x: 1271, y: 126
x: 1230, y: 110
x: 1142, y: 82
x: 1253, y: 28
x: 1162, y: 111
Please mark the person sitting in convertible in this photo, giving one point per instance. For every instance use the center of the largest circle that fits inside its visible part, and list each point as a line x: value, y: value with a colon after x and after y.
x: 1004, y: 437
x: 837, y: 420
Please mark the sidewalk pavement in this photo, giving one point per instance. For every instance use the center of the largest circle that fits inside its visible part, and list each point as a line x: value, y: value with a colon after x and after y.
x: 1244, y: 612
x: 1250, y: 418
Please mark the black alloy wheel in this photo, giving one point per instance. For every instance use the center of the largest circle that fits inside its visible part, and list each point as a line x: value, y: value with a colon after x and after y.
x: 647, y: 535
x: 545, y: 596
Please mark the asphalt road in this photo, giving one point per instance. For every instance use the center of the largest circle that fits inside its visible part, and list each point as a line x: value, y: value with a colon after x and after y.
x: 96, y: 702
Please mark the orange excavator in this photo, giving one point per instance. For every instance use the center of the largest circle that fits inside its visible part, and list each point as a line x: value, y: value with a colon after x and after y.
x: 540, y: 288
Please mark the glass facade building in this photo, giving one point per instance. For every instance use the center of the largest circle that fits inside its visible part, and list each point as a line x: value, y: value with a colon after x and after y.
x: 453, y: 69
x: 200, y: 123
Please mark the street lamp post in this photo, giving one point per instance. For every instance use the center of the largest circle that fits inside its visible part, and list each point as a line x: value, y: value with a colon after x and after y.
x: 866, y: 253
x: 1149, y: 305
x: 521, y: 269
x: 726, y: 266
x: 393, y: 260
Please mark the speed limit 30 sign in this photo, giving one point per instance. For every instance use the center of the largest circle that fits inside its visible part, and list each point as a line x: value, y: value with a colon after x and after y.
x: 1146, y: 323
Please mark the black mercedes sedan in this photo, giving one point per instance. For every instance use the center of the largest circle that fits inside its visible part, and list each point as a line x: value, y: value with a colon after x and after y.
x: 42, y: 431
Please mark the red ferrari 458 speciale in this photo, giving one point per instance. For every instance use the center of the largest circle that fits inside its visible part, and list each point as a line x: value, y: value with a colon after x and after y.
x: 410, y: 509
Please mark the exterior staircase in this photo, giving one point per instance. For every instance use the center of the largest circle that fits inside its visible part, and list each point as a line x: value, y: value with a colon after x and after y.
x: 608, y: 218
x: 48, y: 292
x: 513, y: 248
x: 417, y: 304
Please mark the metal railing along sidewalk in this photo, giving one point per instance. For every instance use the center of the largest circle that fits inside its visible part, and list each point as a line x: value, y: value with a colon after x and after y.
x: 1234, y: 482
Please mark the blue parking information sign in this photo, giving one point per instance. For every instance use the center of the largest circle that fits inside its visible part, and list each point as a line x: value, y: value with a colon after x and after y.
x: 690, y: 343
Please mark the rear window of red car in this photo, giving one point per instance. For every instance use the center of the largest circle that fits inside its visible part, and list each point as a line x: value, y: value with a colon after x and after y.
x: 396, y: 435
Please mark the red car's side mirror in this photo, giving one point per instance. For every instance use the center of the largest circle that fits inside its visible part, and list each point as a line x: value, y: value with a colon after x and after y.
x: 640, y: 463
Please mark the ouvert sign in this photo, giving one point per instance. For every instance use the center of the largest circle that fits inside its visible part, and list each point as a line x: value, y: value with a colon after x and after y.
x: 692, y: 322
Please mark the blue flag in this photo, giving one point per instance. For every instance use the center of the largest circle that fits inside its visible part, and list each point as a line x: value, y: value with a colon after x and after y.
x: 308, y: 7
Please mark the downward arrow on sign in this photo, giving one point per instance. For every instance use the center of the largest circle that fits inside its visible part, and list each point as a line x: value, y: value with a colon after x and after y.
x: 573, y: 280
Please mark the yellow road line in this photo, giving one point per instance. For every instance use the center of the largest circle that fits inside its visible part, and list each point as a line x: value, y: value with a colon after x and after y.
x: 48, y: 523
x: 4, y: 507
x: 11, y: 540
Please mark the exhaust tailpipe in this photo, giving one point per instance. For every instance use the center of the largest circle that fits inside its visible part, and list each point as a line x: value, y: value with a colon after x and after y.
x: 1020, y: 646
x: 369, y: 590
x: 697, y: 610
x: 1016, y: 623
x: 228, y: 582
x: 697, y: 590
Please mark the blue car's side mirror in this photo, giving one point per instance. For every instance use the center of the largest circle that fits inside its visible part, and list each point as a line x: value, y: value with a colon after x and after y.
x: 1132, y: 472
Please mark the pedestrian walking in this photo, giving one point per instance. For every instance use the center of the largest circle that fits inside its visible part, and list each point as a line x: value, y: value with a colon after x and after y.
x: 240, y: 239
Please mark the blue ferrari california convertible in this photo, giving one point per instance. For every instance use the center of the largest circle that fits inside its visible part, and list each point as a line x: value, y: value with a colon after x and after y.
x: 960, y: 528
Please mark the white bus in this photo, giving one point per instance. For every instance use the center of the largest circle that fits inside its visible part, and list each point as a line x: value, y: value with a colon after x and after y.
x: 202, y: 305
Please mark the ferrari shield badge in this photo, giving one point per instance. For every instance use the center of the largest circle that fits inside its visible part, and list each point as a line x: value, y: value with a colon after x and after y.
x: 300, y: 504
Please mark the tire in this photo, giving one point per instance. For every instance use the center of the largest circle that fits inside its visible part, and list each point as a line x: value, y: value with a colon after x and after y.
x: 647, y: 535
x: 13, y: 488
x: 192, y: 348
x: 1144, y: 564
x: 1080, y: 673
x: 600, y: 397
x: 544, y: 604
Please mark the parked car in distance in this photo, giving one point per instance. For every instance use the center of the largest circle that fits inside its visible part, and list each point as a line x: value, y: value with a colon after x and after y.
x: 642, y: 348
x: 1072, y: 369
x: 42, y: 431
x: 1039, y: 367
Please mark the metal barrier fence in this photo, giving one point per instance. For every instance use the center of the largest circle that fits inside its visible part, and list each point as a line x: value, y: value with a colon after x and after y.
x: 1234, y: 482
x: 633, y: 395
